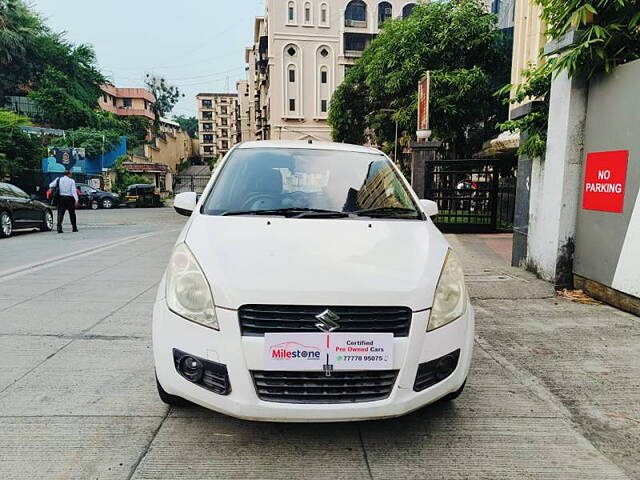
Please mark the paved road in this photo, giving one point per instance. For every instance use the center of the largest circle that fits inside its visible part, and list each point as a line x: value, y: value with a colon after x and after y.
x: 554, y: 391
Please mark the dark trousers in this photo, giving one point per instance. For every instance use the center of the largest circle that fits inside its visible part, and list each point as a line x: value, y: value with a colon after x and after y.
x: 66, y: 203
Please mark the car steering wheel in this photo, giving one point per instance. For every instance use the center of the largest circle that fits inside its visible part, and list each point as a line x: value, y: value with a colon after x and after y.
x: 253, y: 201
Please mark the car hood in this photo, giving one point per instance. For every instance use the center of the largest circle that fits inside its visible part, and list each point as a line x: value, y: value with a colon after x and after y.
x: 288, y: 261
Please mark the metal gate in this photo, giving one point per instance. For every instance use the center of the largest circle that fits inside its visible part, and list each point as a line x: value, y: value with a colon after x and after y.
x: 476, y: 195
x: 190, y: 183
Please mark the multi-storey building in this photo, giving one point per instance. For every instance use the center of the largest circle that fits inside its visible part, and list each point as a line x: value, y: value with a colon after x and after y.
x: 301, y: 51
x: 127, y: 101
x: 217, y: 124
x: 244, y: 117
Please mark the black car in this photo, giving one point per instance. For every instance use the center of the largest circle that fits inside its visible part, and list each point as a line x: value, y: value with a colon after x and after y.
x: 94, y: 198
x: 18, y: 210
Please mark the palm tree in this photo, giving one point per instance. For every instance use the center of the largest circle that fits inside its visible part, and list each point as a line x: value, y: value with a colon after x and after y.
x: 18, y: 27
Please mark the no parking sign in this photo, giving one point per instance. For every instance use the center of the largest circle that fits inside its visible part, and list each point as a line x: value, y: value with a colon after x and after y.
x: 604, y: 181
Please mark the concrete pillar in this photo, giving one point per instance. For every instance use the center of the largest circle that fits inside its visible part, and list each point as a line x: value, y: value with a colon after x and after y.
x: 555, y: 184
x: 421, y: 153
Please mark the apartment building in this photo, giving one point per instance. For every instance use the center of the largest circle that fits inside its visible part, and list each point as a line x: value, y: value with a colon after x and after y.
x: 127, y: 101
x: 244, y: 117
x: 217, y: 124
x: 301, y: 51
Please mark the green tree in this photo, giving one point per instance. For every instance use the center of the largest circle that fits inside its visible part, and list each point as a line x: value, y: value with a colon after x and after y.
x: 167, y: 96
x: 18, y: 150
x: 92, y: 140
x: 609, y: 35
x: 188, y: 124
x: 20, y: 29
x: 468, y: 58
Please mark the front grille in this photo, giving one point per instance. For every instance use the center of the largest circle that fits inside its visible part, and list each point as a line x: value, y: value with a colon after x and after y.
x: 316, y: 387
x: 256, y: 320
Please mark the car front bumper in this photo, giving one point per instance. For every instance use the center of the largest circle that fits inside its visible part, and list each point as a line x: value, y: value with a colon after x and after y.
x: 241, y: 355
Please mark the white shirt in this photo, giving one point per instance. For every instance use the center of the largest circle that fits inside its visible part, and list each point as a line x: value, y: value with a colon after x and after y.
x: 66, y: 188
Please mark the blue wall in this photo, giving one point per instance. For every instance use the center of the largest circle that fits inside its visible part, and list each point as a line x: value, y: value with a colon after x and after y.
x: 93, y: 164
x: 89, y: 165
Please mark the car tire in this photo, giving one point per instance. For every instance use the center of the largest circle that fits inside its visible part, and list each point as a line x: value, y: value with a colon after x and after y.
x: 94, y: 205
x: 47, y: 221
x: 6, y: 224
x: 169, y: 399
x: 107, y: 203
x: 454, y: 395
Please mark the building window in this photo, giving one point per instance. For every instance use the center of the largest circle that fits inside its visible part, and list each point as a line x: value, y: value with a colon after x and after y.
x: 291, y: 51
x: 307, y: 13
x: 207, y: 138
x: 355, y: 42
x: 292, y: 74
x: 225, y: 145
x: 223, y: 110
x: 323, y: 106
x: 207, y: 116
x: 408, y: 8
x: 104, y: 98
x: 223, y: 121
x: 385, y: 12
x: 126, y: 102
x: 324, y: 52
x: 292, y: 104
x: 207, y: 127
x: 356, y: 13
x: 324, y: 14
x: 291, y: 13
x: 323, y: 76
x: 206, y: 103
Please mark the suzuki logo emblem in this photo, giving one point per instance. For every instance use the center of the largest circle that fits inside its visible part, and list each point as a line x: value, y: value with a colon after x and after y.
x: 327, y: 321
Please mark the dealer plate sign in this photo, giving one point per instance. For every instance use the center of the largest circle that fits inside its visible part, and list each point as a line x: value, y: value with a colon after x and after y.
x: 328, y: 351
x: 604, y: 181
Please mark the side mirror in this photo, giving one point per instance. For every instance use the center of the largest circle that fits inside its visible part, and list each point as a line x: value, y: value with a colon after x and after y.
x: 429, y: 207
x: 185, y: 203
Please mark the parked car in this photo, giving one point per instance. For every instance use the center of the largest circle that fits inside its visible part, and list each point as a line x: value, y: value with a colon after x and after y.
x: 142, y: 195
x: 310, y: 284
x: 18, y: 211
x: 93, y: 198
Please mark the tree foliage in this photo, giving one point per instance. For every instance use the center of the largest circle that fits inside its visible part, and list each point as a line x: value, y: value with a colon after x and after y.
x: 188, y: 124
x: 18, y: 150
x: 468, y: 59
x: 90, y: 139
x: 167, y: 96
x: 610, y: 33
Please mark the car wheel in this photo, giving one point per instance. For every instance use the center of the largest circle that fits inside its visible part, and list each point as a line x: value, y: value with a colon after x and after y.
x: 107, y: 203
x: 94, y: 204
x: 6, y: 224
x: 169, y: 399
x: 47, y: 222
x: 454, y: 395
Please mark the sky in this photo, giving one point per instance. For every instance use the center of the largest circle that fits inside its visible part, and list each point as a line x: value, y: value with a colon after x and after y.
x: 197, y: 45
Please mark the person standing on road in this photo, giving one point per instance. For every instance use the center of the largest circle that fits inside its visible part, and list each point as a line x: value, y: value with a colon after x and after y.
x: 67, y: 199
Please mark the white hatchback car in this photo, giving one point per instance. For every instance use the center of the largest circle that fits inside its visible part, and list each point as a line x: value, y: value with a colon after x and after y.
x: 310, y: 284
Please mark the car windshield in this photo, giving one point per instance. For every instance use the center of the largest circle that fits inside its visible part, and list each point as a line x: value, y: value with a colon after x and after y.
x: 286, y: 181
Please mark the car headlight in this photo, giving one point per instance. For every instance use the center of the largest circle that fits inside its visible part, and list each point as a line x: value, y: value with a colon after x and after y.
x: 450, y: 299
x: 188, y: 292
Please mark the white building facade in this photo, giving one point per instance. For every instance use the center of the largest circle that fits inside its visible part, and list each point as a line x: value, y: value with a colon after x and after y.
x: 302, y: 50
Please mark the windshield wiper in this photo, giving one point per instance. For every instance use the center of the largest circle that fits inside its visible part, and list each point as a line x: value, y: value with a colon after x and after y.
x: 387, y: 212
x: 297, y: 212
